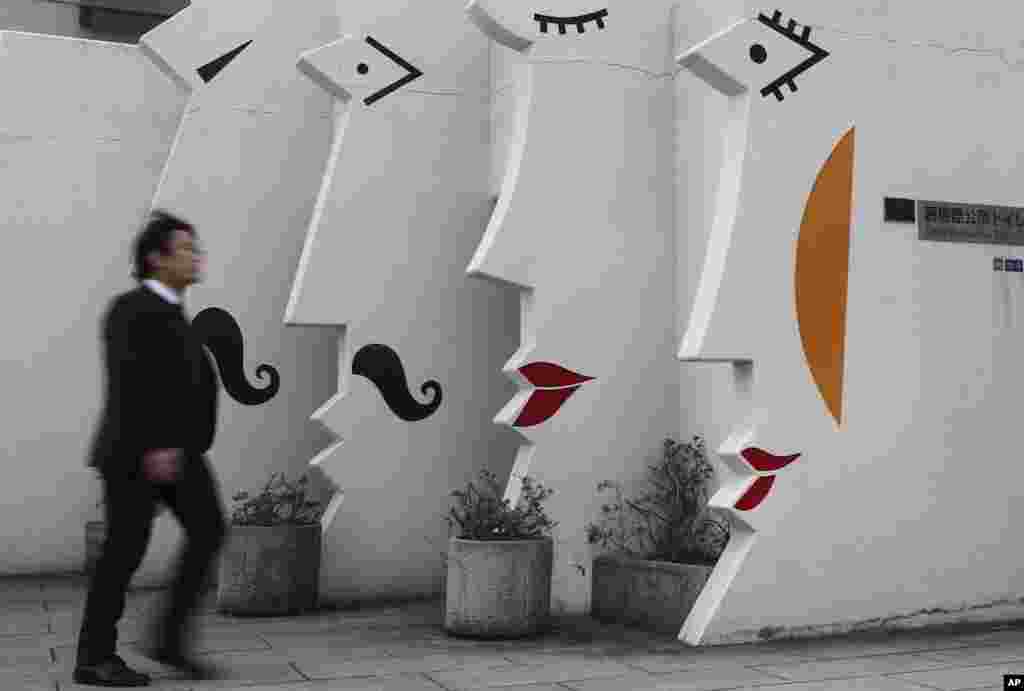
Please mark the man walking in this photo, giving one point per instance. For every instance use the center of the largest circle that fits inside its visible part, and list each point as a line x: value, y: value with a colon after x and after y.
x: 150, y: 446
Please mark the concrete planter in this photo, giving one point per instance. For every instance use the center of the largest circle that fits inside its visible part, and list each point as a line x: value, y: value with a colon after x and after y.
x: 269, y: 570
x: 656, y: 595
x: 95, y: 534
x: 498, y: 588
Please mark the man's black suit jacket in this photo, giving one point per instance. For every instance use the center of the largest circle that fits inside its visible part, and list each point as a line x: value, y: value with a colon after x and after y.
x: 161, y: 386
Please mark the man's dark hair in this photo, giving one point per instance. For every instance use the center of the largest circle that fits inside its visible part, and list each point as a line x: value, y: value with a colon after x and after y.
x: 156, y: 235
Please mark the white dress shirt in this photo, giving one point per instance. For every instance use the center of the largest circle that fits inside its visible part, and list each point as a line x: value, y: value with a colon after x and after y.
x: 162, y: 290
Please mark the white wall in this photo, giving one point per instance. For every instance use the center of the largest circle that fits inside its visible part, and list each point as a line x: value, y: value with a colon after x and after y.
x: 922, y: 465
x: 910, y: 502
x: 249, y: 150
x: 84, y: 132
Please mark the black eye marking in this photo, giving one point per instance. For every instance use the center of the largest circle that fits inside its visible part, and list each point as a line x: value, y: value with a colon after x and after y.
x: 362, y: 68
x: 758, y: 54
x: 803, y: 40
x: 210, y: 69
x: 562, y: 22
x: 414, y: 73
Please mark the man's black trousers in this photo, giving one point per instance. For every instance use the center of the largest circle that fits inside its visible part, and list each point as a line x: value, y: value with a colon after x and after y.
x: 130, y: 507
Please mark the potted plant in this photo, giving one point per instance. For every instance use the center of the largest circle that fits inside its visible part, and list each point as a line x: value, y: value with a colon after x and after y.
x: 270, y: 563
x: 662, y: 545
x: 499, y: 561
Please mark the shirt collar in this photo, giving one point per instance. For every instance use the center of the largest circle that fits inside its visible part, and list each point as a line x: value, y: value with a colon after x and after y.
x: 162, y: 290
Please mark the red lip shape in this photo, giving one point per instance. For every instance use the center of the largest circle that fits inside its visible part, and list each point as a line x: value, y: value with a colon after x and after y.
x: 756, y: 494
x: 765, y: 461
x: 554, y: 385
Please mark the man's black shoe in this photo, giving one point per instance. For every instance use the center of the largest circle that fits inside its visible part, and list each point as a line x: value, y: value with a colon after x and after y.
x: 110, y: 672
x: 188, y: 666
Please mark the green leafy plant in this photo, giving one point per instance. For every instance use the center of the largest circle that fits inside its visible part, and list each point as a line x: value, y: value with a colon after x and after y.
x: 670, y: 522
x: 278, y: 503
x: 480, y: 512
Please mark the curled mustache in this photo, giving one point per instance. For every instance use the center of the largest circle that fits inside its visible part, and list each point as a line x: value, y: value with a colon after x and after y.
x: 382, y: 366
x: 221, y: 334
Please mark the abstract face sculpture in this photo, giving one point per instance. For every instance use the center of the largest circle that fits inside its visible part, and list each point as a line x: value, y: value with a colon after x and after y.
x: 745, y: 299
x: 583, y: 229
x: 401, y: 206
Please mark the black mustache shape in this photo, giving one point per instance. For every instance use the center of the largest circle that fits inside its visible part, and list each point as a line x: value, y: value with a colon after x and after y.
x: 219, y: 332
x: 381, y: 365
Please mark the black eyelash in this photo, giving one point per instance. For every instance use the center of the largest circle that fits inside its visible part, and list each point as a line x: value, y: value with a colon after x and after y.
x: 562, y: 22
x: 210, y: 69
x: 803, y: 40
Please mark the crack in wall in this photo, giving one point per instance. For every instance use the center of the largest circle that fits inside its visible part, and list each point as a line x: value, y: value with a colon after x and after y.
x: 952, y: 51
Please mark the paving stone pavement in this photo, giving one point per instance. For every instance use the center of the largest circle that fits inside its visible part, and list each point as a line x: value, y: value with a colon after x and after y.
x: 403, y: 648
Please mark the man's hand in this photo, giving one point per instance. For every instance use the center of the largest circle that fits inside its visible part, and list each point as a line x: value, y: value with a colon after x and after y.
x: 161, y: 465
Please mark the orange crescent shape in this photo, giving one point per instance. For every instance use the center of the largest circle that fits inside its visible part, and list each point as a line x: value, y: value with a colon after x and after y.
x: 822, y: 273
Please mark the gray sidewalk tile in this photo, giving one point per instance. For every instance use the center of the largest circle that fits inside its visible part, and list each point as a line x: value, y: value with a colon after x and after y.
x: 961, y: 678
x: 256, y: 667
x: 986, y: 655
x: 13, y: 591
x: 318, y: 667
x: 688, y: 680
x: 549, y: 673
x: 37, y: 686
x: 859, y: 684
x: 23, y: 623
x: 844, y: 648
x: 661, y: 663
x: 16, y: 678
x: 857, y: 667
x: 335, y: 645
x: 404, y: 648
x: 1015, y: 635
x: 22, y: 607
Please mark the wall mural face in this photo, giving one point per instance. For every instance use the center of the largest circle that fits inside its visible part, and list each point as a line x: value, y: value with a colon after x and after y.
x: 220, y: 333
x: 594, y: 366
x: 742, y: 306
x: 401, y: 206
x: 243, y: 170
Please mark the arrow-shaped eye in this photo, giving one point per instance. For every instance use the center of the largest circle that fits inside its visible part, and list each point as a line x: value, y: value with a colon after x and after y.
x: 210, y: 69
x: 413, y: 73
x: 758, y: 53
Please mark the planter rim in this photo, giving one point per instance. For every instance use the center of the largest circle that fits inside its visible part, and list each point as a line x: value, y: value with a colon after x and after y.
x: 675, y: 565
x: 515, y: 541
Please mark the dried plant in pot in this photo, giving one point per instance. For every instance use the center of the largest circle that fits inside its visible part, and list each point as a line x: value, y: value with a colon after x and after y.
x: 659, y: 548
x: 499, y: 561
x: 270, y: 564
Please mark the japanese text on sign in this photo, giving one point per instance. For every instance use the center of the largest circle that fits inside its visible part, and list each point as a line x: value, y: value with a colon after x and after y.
x: 978, y: 223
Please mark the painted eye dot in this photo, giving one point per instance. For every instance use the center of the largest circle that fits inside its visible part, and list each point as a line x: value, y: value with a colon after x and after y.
x: 362, y: 68
x: 758, y: 54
